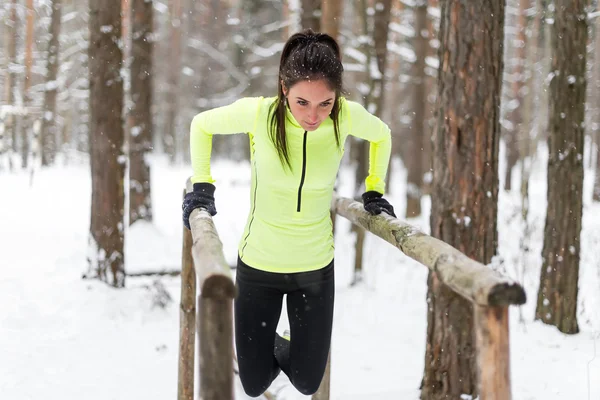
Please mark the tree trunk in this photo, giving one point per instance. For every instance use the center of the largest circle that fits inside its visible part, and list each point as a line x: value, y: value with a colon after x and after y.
x: 49, y: 131
x: 27, y: 119
x: 557, y: 295
x: 170, y: 128
x: 465, y: 182
x: 106, y: 143
x: 140, y: 117
x: 513, y: 135
x: 596, y: 90
x: 330, y: 17
x: 374, y: 102
x: 418, y: 131
x: 11, y: 53
x: 310, y: 15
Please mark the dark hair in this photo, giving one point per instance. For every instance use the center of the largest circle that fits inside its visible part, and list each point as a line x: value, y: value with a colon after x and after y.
x: 306, y: 56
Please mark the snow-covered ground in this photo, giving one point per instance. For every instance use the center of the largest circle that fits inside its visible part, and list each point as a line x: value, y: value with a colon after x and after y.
x: 64, y: 337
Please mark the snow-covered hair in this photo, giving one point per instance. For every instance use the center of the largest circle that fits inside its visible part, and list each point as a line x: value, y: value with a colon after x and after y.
x: 306, y: 56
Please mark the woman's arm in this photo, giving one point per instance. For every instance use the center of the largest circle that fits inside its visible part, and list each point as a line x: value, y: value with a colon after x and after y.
x: 238, y: 117
x: 366, y: 126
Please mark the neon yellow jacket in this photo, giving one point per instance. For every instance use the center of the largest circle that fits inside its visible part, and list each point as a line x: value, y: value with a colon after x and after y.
x: 289, y: 226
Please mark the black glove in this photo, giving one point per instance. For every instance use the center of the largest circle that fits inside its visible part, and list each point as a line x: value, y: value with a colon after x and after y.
x: 201, y: 197
x: 374, y: 203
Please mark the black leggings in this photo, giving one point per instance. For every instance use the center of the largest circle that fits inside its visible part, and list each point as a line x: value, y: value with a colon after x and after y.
x: 261, y: 353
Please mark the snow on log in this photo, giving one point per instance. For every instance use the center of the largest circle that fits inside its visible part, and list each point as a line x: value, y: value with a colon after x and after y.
x: 469, y: 278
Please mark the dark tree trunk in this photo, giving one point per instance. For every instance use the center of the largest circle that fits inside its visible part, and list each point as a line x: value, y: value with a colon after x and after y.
x: 140, y: 117
x: 170, y: 128
x: 596, y: 95
x: 49, y: 130
x: 413, y: 158
x: 465, y: 181
x: 557, y: 295
x: 331, y: 11
x: 513, y: 135
x: 310, y: 15
x: 106, y: 143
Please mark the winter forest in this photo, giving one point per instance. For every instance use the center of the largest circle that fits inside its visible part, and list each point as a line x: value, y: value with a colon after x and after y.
x: 494, y: 110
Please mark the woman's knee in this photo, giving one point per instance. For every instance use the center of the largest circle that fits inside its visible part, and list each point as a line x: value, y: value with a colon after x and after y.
x: 308, y: 387
x: 254, y: 387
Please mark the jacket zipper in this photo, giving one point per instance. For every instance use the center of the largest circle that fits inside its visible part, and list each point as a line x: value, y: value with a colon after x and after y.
x: 303, y: 173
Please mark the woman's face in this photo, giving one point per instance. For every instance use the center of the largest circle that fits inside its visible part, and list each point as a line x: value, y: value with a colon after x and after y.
x: 311, y: 102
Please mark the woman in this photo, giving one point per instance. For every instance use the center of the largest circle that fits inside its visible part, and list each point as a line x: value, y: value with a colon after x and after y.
x: 297, y: 142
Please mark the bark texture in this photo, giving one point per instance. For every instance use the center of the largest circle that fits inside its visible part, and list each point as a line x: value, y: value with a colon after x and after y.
x: 140, y: 115
x: 413, y: 157
x: 557, y: 295
x: 106, y: 143
x: 187, y: 321
x: 215, y: 309
x: 465, y: 182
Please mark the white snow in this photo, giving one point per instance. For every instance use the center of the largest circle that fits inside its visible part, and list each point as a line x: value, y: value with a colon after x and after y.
x: 63, y: 337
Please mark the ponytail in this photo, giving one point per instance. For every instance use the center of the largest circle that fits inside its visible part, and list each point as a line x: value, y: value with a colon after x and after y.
x: 305, y: 56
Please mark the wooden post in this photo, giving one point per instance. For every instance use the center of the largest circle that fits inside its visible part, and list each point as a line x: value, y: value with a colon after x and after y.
x: 472, y: 280
x: 215, y: 309
x: 324, y: 388
x: 187, y: 321
x: 493, y: 352
x: 215, y: 331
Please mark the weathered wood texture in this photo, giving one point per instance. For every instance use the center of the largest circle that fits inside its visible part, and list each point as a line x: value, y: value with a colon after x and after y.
x: 493, y: 352
x: 325, y: 387
x: 215, y: 309
x: 474, y: 281
x: 187, y: 318
x: 215, y: 332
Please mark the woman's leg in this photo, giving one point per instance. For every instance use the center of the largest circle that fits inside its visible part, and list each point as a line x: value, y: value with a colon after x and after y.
x: 310, y: 312
x: 257, y: 311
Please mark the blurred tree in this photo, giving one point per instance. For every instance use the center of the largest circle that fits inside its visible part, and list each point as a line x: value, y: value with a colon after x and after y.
x: 310, y: 17
x: 330, y: 17
x: 26, y: 133
x: 169, y: 131
x: 557, y: 295
x: 464, y: 197
x: 595, y: 91
x: 9, y: 133
x: 516, y: 128
x: 375, y: 50
x: 107, y: 159
x: 48, y: 132
x: 419, y: 131
x: 140, y: 114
